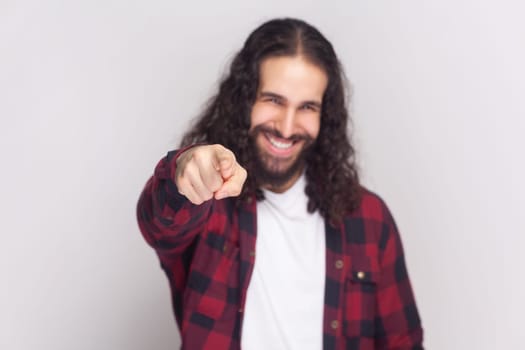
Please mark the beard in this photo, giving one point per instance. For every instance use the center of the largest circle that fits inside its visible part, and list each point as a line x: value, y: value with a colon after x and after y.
x: 275, y: 171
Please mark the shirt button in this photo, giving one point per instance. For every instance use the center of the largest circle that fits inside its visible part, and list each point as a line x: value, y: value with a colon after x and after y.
x: 334, y: 324
x: 252, y: 253
x: 361, y: 275
x: 339, y: 264
x: 240, y: 311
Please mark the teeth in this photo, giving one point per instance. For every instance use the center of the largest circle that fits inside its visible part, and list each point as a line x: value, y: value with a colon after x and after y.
x: 280, y: 145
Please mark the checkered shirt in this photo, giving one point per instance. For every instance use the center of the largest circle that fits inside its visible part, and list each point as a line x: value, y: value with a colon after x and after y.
x: 208, y: 251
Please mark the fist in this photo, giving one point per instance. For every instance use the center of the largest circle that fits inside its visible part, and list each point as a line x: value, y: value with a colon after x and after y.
x: 209, y: 171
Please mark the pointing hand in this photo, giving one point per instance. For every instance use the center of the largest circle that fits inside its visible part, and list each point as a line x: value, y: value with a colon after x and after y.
x: 209, y: 171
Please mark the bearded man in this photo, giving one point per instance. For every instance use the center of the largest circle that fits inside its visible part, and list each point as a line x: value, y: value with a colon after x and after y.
x: 259, y: 220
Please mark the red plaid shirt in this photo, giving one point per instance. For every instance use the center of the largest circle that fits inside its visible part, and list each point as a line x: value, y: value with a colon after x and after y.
x: 208, y: 253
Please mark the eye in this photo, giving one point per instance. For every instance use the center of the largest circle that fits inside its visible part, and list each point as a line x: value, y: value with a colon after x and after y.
x: 274, y: 100
x: 309, y: 107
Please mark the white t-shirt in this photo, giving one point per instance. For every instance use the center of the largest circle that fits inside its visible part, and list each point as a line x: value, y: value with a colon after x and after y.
x: 285, y: 298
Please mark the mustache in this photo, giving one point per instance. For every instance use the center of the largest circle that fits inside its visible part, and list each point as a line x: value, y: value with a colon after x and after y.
x: 259, y: 129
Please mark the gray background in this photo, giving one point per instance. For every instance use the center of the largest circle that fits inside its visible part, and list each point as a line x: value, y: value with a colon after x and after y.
x: 93, y: 93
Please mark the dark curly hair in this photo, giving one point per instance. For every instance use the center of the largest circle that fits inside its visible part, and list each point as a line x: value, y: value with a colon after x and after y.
x: 331, y: 173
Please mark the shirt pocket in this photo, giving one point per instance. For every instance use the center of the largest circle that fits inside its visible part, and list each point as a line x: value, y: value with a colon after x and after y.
x: 360, y: 303
x: 213, y: 284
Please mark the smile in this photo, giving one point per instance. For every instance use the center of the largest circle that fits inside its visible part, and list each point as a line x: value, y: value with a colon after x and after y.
x: 279, y: 144
x: 279, y: 147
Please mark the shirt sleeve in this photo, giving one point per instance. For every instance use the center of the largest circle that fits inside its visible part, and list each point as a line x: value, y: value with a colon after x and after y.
x: 398, y: 323
x: 168, y: 221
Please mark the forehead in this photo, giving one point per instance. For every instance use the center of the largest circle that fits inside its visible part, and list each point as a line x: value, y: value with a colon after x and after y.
x: 294, y: 78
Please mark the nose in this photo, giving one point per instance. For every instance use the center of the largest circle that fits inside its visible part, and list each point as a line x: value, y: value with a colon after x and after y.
x: 286, y: 123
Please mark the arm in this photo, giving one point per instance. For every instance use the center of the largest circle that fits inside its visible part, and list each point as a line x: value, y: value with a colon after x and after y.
x: 168, y: 221
x: 398, y: 324
x: 176, y: 201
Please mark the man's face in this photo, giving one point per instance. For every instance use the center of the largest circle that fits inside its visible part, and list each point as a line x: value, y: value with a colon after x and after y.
x: 286, y: 118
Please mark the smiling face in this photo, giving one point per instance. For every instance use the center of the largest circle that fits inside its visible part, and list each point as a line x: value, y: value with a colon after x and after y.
x: 286, y: 118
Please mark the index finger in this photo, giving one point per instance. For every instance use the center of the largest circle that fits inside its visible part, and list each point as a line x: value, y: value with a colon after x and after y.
x: 233, y: 186
x: 225, y: 162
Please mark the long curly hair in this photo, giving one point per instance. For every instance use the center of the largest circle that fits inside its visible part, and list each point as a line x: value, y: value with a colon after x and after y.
x: 331, y: 172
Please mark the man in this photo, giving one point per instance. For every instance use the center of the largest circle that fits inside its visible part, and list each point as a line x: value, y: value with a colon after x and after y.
x: 260, y: 223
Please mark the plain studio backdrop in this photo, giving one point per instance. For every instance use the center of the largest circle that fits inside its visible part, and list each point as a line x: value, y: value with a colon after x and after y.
x: 94, y: 93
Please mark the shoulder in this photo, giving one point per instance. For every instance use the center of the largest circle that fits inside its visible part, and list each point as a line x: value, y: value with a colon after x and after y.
x: 371, y: 207
x: 371, y: 224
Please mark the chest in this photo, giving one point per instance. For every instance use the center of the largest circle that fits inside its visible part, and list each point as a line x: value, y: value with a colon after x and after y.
x: 223, y: 266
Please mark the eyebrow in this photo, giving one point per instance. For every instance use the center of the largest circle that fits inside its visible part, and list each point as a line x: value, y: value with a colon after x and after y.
x: 280, y: 97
